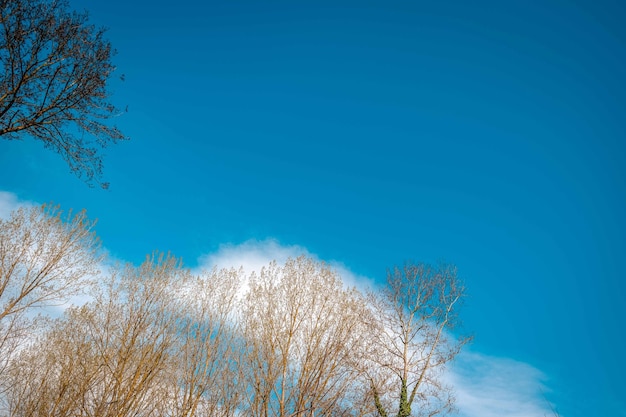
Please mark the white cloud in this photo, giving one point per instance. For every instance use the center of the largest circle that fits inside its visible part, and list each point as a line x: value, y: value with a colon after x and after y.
x: 10, y: 202
x: 488, y: 386
x: 253, y: 255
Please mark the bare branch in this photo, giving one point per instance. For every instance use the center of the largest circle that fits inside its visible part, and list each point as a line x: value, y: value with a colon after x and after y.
x: 54, y: 69
x: 412, y: 340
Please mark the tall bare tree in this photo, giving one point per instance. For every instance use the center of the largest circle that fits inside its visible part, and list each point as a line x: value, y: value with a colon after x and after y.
x: 55, y: 374
x: 108, y: 357
x: 412, y: 340
x: 155, y: 341
x: 204, y: 369
x: 45, y: 258
x: 301, y: 327
x: 54, y: 69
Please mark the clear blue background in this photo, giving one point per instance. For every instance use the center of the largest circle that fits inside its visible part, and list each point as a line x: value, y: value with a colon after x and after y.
x: 488, y: 134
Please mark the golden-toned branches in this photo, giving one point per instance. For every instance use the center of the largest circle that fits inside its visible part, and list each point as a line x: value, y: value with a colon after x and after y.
x: 45, y: 258
x: 300, y: 327
x: 157, y: 340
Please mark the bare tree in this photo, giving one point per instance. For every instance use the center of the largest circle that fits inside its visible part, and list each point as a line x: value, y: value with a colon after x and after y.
x: 155, y: 340
x: 412, y: 340
x: 301, y: 327
x: 54, y: 67
x: 45, y: 258
x: 55, y: 373
x: 204, y: 367
x: 109, y: 357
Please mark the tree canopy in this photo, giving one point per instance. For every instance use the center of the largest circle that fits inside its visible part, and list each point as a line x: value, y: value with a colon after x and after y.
x: 54, y: 68
x: 160, y: 339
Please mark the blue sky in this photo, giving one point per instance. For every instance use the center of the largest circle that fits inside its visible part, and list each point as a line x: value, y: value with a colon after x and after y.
x: 487, y: 134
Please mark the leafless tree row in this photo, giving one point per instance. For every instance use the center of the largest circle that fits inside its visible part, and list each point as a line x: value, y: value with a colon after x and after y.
x: 159, y: 340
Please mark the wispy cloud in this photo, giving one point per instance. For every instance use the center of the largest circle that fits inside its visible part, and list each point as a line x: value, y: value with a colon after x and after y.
x: 9, y: 202
x: 488, y: 386
x: 253, y: 255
